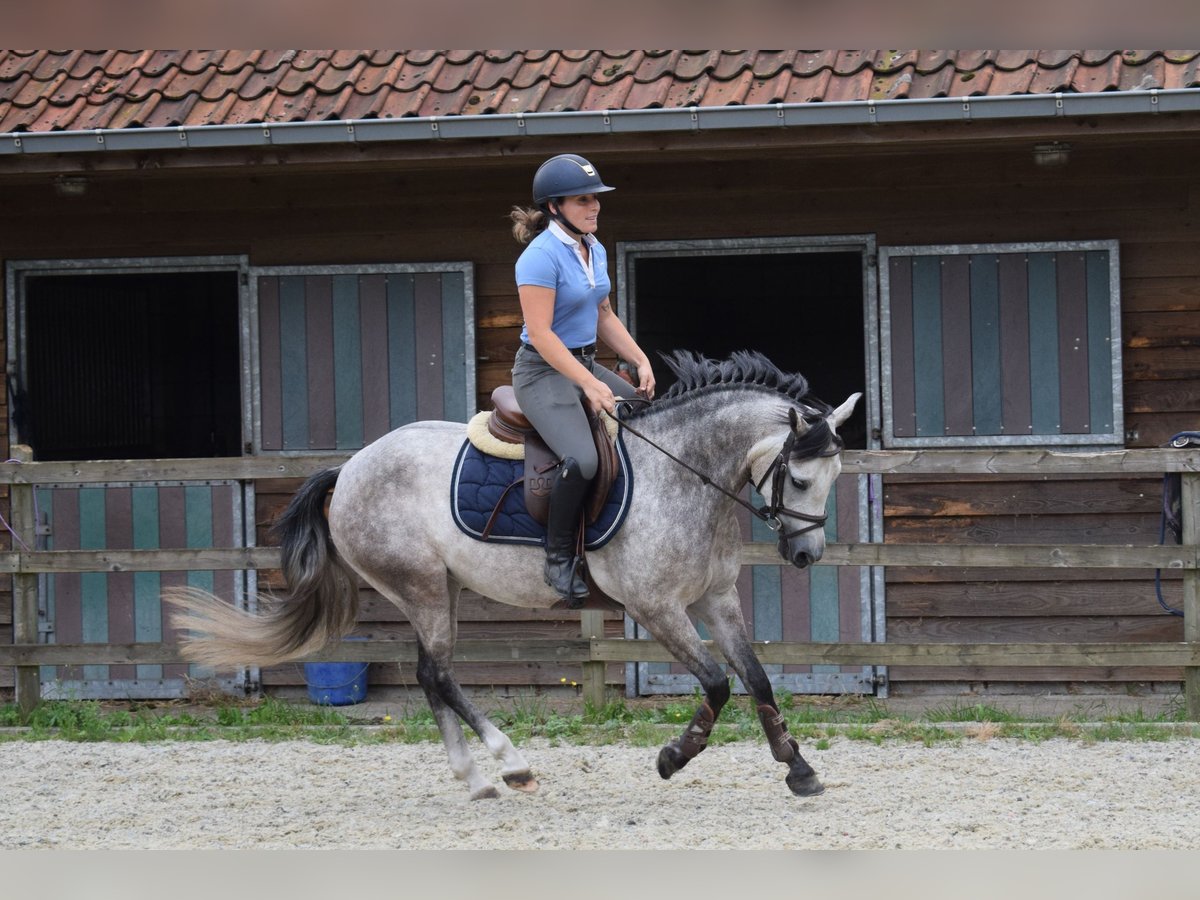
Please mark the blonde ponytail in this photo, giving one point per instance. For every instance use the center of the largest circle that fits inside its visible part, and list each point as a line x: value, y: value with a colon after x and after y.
x: 526, y: 223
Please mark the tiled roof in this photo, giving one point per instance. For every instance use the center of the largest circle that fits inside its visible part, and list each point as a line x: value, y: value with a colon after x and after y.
x: 52, y: 90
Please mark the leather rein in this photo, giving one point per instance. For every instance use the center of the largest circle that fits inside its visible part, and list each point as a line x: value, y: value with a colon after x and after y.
x: 768, y: 513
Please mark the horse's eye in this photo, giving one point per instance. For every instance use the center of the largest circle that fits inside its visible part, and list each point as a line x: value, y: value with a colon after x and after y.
x: 801, y: 484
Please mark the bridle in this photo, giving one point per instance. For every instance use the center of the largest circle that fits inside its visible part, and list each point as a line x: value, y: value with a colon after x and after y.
x: 769, y: 513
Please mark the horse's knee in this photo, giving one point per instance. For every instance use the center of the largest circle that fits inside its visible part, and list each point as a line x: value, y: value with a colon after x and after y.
x: 716, y: 692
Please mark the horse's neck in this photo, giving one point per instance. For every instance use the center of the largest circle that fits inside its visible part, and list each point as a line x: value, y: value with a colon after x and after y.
x: 719, y: 434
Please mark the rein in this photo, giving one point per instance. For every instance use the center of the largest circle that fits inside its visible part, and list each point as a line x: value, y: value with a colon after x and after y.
x: 768, y: 513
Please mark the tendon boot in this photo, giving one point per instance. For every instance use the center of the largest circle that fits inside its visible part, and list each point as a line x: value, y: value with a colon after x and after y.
x: 563, y: 563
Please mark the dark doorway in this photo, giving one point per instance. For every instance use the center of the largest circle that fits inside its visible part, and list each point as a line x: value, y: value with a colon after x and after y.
x: 804, y: 311
x: 131, y: 366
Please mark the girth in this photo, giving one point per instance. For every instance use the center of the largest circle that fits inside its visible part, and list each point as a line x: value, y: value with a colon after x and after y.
x: 507, y: 423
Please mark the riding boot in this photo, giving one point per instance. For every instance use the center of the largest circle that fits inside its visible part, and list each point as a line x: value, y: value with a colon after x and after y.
x: 563, y: 564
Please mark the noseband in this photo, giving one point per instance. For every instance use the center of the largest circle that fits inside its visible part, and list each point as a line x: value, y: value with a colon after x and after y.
x: 768, y: 513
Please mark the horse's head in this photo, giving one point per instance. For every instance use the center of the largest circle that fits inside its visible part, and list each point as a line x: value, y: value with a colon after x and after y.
x: 795, y: 480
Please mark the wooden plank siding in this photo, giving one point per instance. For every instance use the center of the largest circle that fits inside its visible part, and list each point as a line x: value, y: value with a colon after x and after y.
x: 1142, y: 194
x: 1014, y: 330
x: 124, y: 607
x: 992, y: 605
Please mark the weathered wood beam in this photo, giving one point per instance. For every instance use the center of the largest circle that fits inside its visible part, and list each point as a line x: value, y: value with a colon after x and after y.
x: 1020, y: 462
x: 607, y: 650
x: 236, y: 468
x: 1097, y: 556
x: 909, y: 462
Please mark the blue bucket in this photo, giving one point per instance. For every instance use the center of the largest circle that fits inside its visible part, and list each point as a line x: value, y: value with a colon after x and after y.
x: 337, y: 683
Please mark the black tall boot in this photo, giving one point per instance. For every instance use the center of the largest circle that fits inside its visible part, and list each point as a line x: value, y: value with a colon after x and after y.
x: 562, y: 524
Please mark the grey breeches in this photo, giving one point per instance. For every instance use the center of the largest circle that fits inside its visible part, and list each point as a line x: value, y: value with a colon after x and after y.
x: 552, y: 403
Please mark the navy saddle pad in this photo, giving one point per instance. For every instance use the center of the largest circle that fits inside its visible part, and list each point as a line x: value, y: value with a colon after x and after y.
x: 479, y: 479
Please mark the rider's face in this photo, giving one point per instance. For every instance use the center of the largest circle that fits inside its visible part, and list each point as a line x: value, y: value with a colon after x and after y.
x: 582, y: 211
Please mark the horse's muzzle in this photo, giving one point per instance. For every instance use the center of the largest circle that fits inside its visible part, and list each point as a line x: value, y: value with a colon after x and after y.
x: 801, y: 553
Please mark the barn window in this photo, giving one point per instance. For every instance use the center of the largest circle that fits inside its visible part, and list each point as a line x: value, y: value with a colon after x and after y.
x: 346, y: 354
x: 120, y: 360
x: 988, y: 345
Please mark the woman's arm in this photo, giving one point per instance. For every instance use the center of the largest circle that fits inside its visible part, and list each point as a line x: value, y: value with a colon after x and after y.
x: 537, y: 305
x: 613, y: 332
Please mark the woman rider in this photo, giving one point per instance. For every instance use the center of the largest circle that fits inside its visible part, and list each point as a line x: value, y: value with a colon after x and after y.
x: 563, y: 284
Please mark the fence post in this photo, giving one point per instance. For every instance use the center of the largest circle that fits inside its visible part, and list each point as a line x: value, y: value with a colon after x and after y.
x: 1190, y: 496
x: 25, y: 587
x: 591, y: 625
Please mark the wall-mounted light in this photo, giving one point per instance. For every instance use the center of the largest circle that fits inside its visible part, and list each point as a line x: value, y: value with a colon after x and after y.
x: 1052, y: 153
x: 70, y: 185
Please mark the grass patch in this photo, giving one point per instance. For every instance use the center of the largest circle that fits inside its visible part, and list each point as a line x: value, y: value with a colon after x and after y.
x: 815, y: 722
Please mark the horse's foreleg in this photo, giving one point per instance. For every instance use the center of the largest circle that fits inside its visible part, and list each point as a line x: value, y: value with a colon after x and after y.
x: 674, y: 630
x: 724, y: 620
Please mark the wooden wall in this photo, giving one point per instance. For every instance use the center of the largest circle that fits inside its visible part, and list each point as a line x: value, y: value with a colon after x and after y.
x: 1140, y: 192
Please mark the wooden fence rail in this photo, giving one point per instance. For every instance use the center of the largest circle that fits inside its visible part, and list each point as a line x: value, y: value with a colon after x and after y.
x: 592, y: 652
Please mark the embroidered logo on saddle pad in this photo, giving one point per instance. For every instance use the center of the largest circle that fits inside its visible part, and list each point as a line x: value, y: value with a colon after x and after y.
x: 480, y: 480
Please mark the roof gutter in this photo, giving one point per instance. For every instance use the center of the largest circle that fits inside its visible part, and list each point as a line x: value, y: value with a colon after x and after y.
x: 692, y: 118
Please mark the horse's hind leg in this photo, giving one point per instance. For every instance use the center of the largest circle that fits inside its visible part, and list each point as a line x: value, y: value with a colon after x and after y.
x: 435, y: 621
x: 723, y: 615
x: 461, y: 763
x: 444, y: 693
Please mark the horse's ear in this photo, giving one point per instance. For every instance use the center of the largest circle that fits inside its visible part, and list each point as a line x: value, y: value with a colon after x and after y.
x: 842, y: 413
x: 793, y: 419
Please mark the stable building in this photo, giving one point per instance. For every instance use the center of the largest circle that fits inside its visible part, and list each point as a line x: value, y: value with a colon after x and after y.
x: 222, y: 254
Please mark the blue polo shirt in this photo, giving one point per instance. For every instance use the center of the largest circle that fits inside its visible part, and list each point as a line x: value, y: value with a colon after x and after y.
x: 552, y: 260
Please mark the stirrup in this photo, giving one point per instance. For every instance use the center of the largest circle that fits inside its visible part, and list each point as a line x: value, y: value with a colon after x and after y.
x: 576, y: 592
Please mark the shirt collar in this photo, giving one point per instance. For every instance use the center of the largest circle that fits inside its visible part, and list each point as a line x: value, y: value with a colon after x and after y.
x: 561, y: 233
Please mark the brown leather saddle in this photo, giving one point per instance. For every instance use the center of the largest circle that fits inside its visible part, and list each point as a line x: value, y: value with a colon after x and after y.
x: 507, y: 423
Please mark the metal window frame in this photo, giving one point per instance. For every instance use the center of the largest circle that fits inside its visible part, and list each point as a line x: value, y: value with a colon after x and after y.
x: 1116, y: 437
x: 254, y: 385
x: 16, y: 274
x: 870, y: 679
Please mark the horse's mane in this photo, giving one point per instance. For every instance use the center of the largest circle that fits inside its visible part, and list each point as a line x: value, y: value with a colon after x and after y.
x: 747, y: 369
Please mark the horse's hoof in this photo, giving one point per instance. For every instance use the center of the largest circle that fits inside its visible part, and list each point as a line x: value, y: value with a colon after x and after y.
x: 486, y: 793
x: 522, y: 781
x: 670, y: 761
x: 805, y: 785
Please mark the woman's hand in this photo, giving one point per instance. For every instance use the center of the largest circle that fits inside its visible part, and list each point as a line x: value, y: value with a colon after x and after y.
x: 645, y: 379
x: 599, y: 396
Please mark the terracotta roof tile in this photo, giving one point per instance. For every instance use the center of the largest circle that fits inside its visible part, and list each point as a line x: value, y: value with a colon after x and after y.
x: 81, y: 89
x: 561, y: 99
x: 655, y: 65
x: 731, y: 92
x: 649, y: 94
x: 170, y: 111
x: 90, y: 61
x: 768, y: 89
x: 15, y: 62
x: 609, y: 96
x: 811, y: 89
x: 1051, y: 81
x: 731, y: 66
x: 771, y: 63
x: 455, y: 74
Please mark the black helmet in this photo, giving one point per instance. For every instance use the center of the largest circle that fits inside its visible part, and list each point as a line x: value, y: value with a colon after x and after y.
x: 565, y: 175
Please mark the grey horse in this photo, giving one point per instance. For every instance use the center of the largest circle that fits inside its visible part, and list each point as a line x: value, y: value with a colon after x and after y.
x: 733, y: 422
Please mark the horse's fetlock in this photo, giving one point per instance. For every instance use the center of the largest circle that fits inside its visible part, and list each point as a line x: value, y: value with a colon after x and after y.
x: 783, y: 746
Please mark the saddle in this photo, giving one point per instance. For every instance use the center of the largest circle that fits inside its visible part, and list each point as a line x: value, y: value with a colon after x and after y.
x: 508, y: 424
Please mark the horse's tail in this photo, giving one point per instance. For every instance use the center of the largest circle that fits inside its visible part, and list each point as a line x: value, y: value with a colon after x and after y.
x: 319, y: 605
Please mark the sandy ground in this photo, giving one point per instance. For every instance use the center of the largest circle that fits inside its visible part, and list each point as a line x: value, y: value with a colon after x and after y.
x: 969, y: 794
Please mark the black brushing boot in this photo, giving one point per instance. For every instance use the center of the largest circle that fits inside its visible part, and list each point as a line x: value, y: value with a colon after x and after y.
x: 562, y: 524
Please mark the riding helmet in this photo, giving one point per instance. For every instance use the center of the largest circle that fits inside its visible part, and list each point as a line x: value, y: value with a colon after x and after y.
x: 566, y: 175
